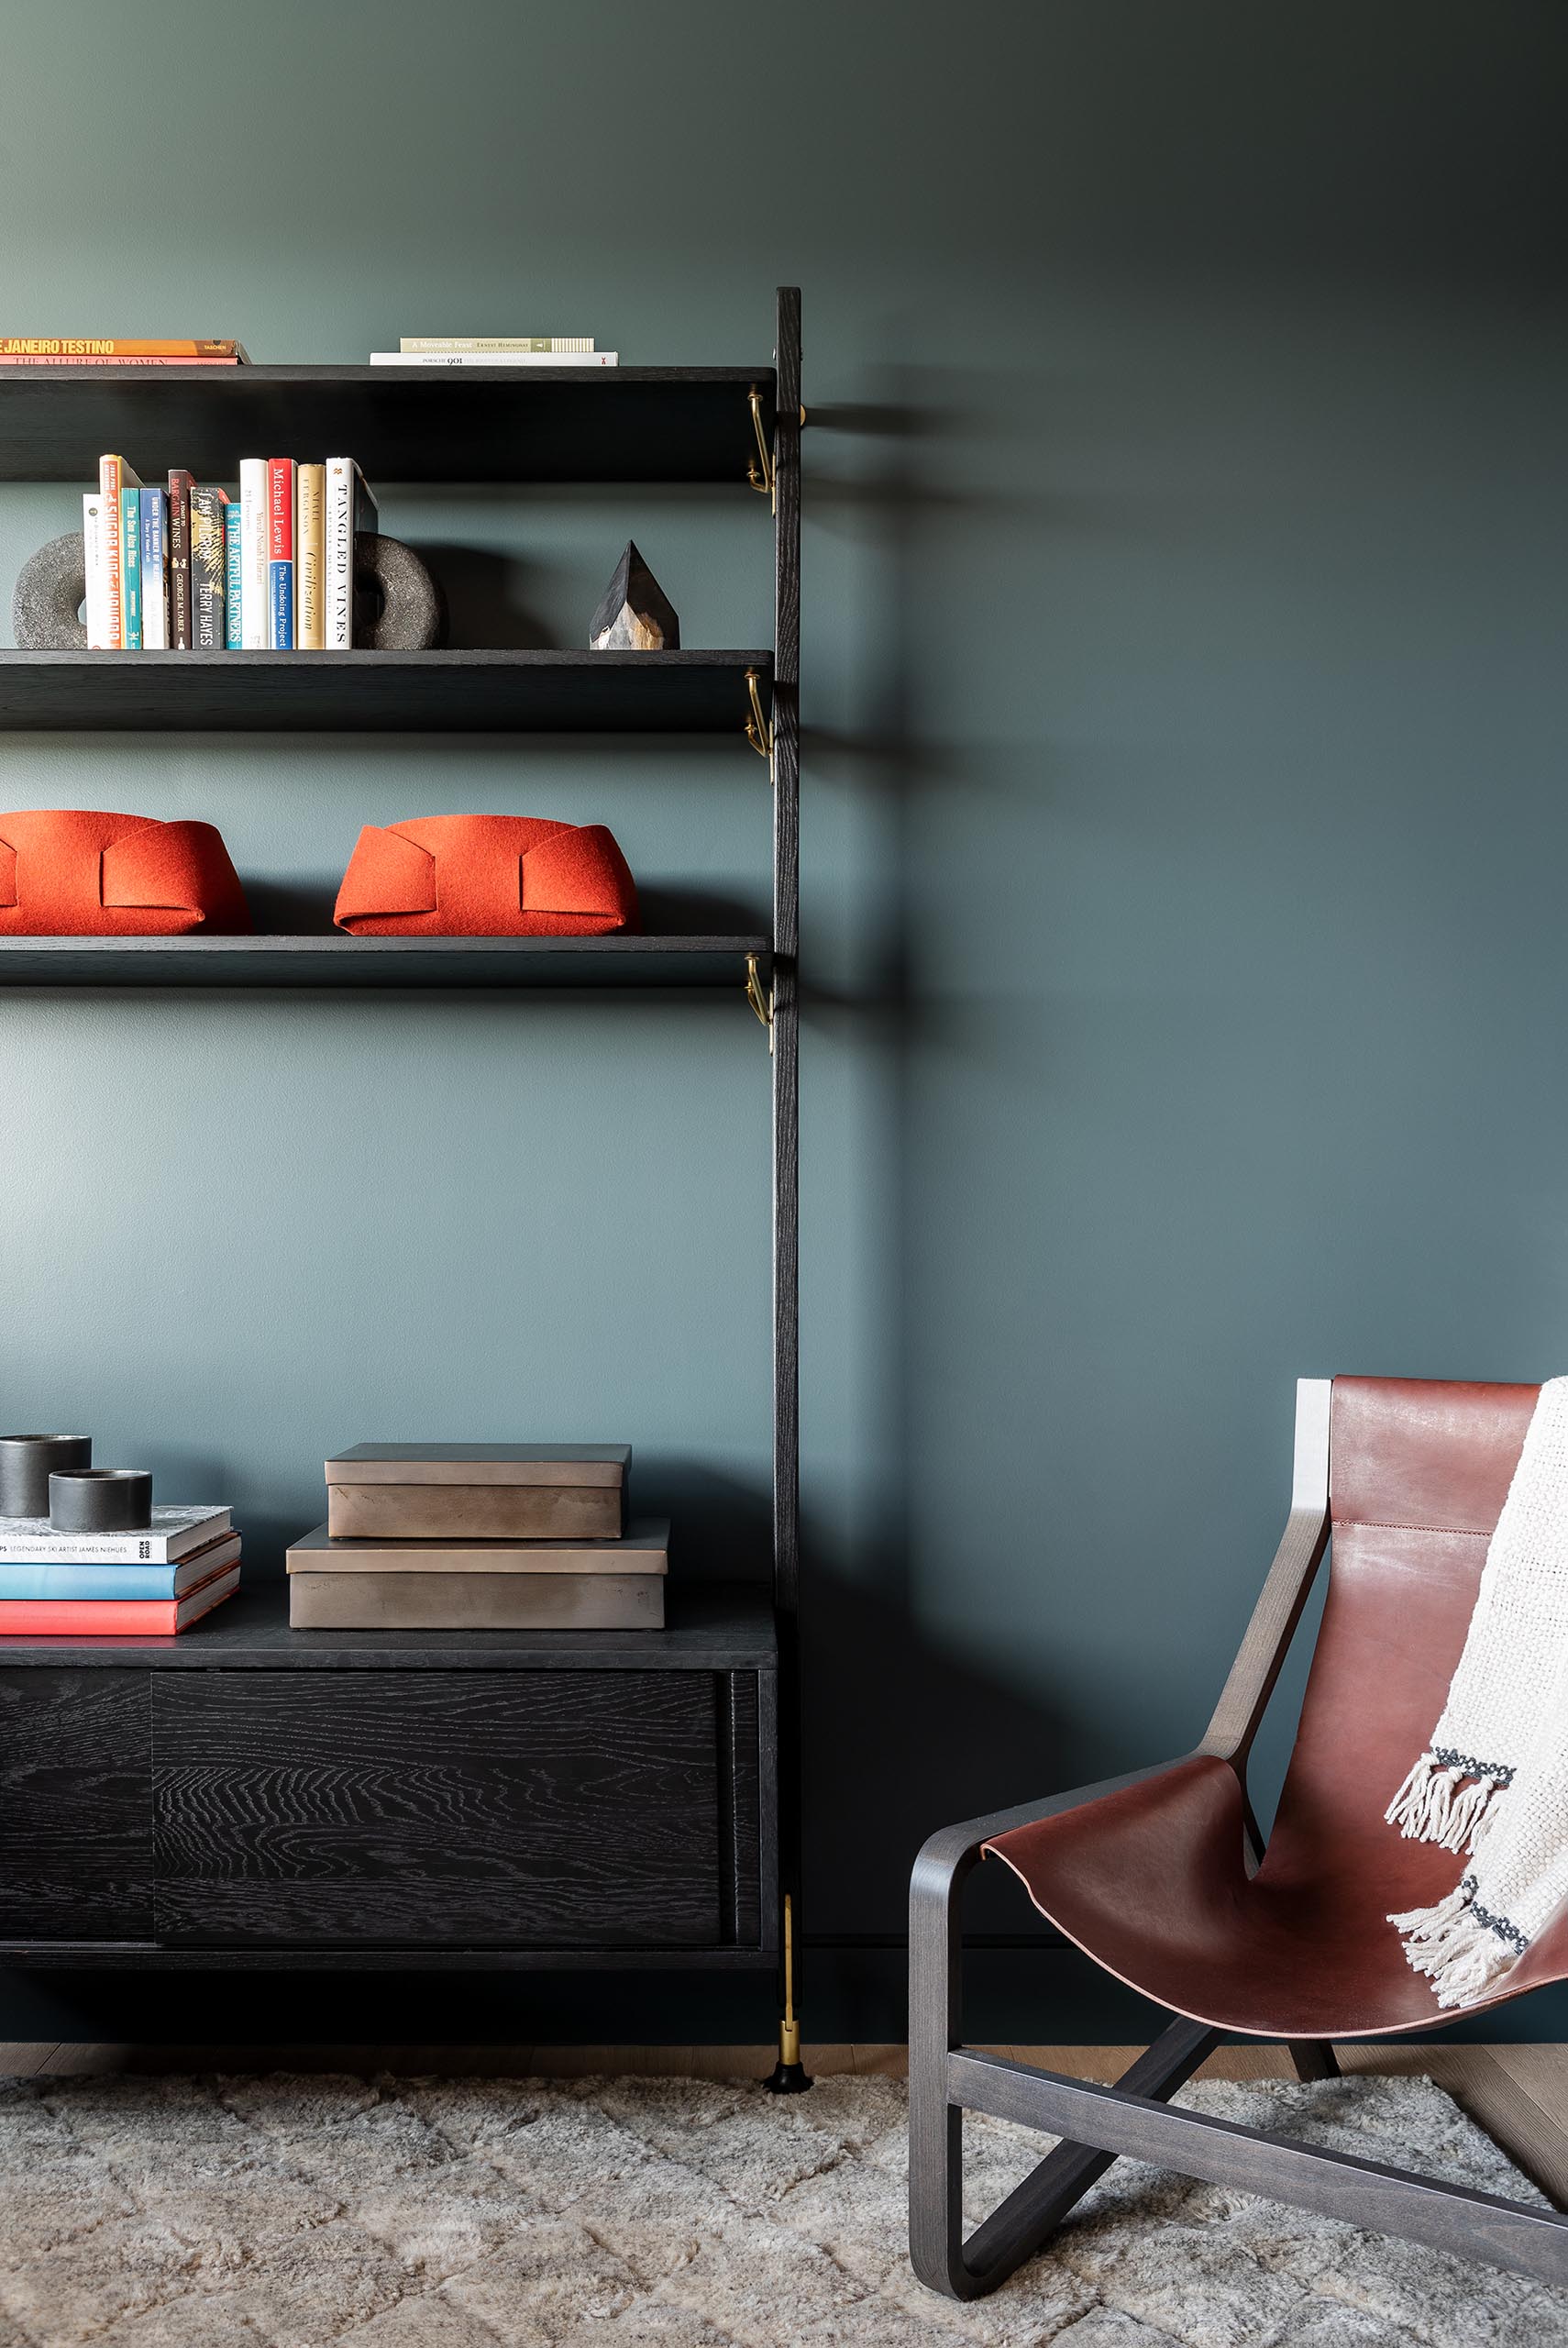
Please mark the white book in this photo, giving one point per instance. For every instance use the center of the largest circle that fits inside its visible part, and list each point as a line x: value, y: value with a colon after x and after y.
x: 556, y: 342
x: 495, y: 359
x: 254, y: 599
x: 172, y: 1534
x: 350, y: 509
x: 95, y: 545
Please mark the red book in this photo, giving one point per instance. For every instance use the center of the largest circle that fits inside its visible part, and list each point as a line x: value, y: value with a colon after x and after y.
x: 111, y: 1618
x: 10, y: 359
x: 279, y: 509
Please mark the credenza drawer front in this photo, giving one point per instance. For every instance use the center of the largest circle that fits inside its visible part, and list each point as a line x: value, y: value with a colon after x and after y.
x: 75, y: 1823
x: 409, y: 1809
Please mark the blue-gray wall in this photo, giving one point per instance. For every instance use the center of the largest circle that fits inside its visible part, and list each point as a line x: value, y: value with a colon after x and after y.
x: 1186, y: 548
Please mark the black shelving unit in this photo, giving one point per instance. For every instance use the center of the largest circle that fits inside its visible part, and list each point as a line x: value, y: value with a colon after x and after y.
x: 711, y: 1704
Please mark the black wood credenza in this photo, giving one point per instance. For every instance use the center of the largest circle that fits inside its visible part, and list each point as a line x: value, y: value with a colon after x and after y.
x: 250, y: 1796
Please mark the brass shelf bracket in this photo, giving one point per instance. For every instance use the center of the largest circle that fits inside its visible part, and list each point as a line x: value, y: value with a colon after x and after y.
x: 760, y: 1001
x: 761, y: 475
x: 758, y: 732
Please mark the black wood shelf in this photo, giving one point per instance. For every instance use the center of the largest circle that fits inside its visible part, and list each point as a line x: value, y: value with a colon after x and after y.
x: 396, y: 693
x: 417, y: 423
x: 712, y: 1626
x: 380, y: 962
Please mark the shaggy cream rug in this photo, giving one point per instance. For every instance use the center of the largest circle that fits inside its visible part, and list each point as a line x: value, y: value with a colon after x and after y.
x: 290, y: 2213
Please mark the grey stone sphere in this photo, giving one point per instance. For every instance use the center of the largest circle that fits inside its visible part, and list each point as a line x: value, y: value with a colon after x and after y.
x: 50, y: 595
x: 413, y: 616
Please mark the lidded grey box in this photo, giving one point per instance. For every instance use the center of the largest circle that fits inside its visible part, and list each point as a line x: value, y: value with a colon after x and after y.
x: 478, y: 1491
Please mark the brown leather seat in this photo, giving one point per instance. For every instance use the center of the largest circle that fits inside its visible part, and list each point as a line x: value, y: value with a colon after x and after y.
x: 1152, y: 1880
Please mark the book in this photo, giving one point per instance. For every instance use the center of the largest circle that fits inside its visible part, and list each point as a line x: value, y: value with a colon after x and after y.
x: 552, y: 342
x: 494, y: 358
x: 643, y: 1548
x: 179, y: 487
x: 281, y: 496
x: 154, y: 569
x: 115, y: 474
x: 310, y: 547
x: 96, y: 549
x: 335, y: 1602
x: 350, y: 511
x: 92, y: 360
x: 55, y: 349
x: 130, y: 570
x: 134, y: 1618
x: 253, y: 553
x: 172, y: 1535
x: 233, y: 576
x: 208, y: 576
x: 35, y: 1582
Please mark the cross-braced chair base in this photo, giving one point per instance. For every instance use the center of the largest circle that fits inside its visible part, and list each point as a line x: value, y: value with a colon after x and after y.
x: 1162, y: 1878
x: 1099, y: 2124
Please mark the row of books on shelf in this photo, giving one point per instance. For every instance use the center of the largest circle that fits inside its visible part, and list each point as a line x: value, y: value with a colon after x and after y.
x: 190, y: 567
x: 151, y: 1583
x: 412, y: 350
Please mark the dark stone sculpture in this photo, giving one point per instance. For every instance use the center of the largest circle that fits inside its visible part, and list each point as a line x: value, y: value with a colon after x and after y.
x: 634, y: 614
x: 50, y: 593
x: 26, y: 1462
x: 100, y: 1499
x: 406, y: 610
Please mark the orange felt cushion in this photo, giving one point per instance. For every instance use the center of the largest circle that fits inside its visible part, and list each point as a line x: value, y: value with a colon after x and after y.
x: 72, y: 874
x: 486, y: 875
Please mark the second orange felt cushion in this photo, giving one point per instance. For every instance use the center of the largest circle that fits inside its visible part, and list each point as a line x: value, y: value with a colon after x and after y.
x: 486, y: 875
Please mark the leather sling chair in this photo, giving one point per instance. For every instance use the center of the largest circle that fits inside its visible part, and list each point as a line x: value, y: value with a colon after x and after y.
x: 1157, y: 1876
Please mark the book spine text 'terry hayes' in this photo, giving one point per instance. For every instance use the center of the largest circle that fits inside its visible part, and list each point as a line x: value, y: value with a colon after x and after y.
x: 207, y: 567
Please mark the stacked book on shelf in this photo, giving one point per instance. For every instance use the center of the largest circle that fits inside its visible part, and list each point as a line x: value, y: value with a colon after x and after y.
x: 147, y: 1584
x: 441, y: 1536
x: 194, y: 567
x: 117, y: 350
x: 495, y: 351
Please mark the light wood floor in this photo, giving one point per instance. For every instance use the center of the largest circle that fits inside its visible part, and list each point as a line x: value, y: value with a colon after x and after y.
x: 1519, y: 2094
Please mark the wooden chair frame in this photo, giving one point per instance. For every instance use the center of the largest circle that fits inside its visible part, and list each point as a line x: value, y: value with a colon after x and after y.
x: 1099, y: 2124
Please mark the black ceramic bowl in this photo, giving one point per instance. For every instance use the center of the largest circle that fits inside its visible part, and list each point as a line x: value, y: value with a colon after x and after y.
x: 100, y: 1499
x: 26, y: 1462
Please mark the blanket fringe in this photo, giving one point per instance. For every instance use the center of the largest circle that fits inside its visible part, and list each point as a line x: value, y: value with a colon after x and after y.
x: 1459, y: 1955
x: 1431, y: 1806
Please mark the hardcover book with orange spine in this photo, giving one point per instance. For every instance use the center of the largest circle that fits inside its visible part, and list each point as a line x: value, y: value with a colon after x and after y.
x: 108, y: 350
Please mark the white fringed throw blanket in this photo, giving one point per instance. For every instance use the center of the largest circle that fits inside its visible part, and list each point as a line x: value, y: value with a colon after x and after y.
x: 1494, y: 1783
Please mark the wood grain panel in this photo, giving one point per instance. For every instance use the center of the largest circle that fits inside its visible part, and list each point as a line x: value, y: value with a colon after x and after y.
x: 75, y: 1824
x: 408, y: 1808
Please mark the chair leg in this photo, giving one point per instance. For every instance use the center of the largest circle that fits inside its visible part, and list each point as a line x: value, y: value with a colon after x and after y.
x: 1314, y: 2059
x: 1032, y: 2212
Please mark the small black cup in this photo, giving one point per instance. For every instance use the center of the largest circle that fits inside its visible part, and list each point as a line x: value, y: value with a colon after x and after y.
x: 26, y: 1462
x: 100, y: 1499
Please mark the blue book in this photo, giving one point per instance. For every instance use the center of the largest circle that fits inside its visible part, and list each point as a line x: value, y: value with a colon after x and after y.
x: 27, y: 1578
x: 281, y: 597
x: 234, y: 574
x: 130, y: 570
x: 154, y: 569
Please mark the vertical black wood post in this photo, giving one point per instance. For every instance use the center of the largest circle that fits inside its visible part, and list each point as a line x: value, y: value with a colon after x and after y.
x: 786, y: 767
